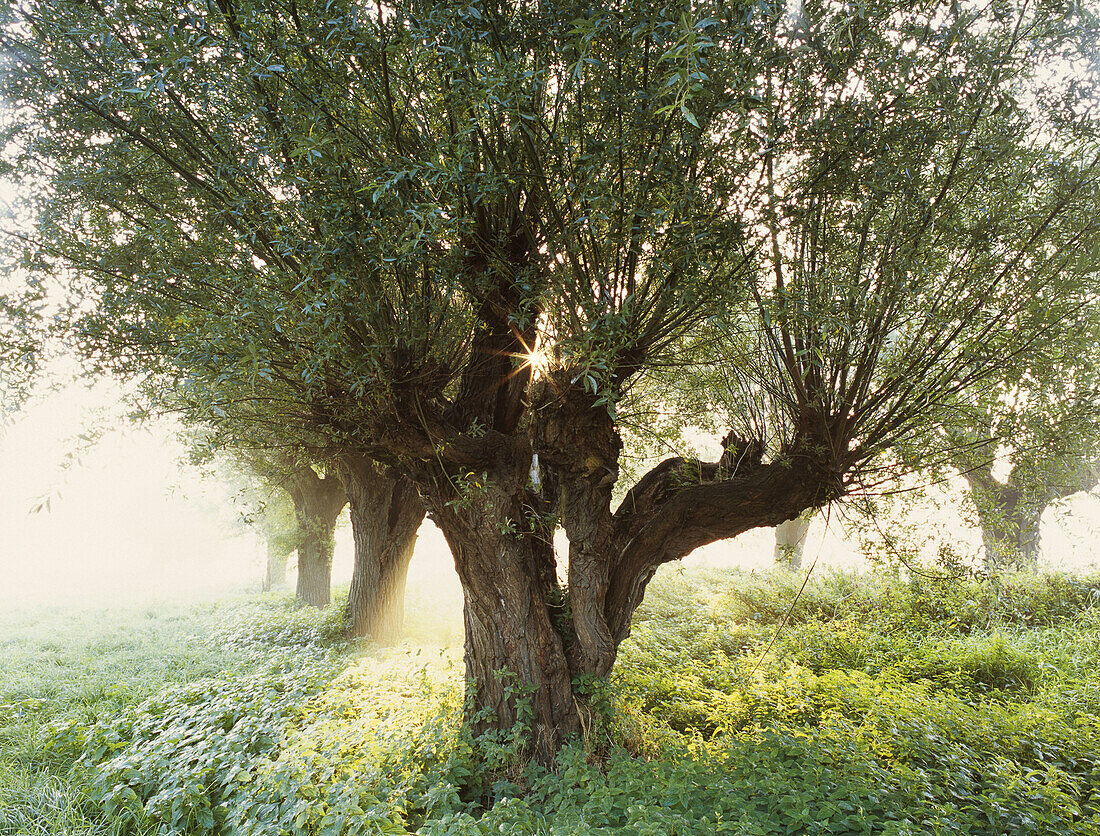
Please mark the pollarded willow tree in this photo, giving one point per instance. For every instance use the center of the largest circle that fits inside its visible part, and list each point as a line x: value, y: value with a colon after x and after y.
x: 317, y: 500
x: 287, y: 447
x: 465, y: 236
x: 1027, y: 443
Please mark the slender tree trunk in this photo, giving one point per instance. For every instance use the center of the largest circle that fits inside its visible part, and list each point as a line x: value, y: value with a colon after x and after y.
x: 275, y: 568
x: 790, y: 542
x: 317, y: 505
x: 385, y: 517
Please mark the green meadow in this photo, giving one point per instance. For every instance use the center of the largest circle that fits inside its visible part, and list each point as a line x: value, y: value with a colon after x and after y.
x: 742, y: 704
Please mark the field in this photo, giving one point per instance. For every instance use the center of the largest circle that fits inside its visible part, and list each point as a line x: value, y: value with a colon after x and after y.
x: 862, y: 705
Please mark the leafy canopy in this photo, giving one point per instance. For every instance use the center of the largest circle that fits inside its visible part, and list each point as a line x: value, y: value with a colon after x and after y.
x: 855, y: 213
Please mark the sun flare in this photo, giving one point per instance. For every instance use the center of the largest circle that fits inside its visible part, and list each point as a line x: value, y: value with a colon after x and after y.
x: 537, y: 359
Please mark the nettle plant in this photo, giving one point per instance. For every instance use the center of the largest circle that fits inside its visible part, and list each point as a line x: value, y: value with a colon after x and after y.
x: 459, y: 237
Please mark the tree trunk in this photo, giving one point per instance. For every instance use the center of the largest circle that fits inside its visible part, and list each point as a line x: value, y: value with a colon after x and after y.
x: 516, y: 664
x: 385, y: 517
x: 314, y: 572
x: 528, y: 641
x: 1027, y: 526
x: 317, y: 505
x: 997, y: 506
x: 500, y: 533
x: 790, y: 542
x: 1010, y: 513
x: 275, y: 568
x: 1010, y: 533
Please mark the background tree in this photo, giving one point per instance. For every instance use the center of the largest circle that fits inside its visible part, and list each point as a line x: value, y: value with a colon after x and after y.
x: 790, y: 541
x: 386, y: 514
x: 276, y: 442
x: 317, y: 501
x: 1044, y: 434
x: 275, y: 522
x: 460, y: 236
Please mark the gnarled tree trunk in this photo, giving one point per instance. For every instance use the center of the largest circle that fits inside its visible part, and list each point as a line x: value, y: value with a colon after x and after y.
x: 528, y: 639
x: 386, y: 514
x: 1011, y: 512
x: 318, y: 502
x: 514, y: 610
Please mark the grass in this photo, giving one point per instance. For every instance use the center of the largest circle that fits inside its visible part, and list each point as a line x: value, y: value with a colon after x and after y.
x: 79, y: 666
x: 869, y: 705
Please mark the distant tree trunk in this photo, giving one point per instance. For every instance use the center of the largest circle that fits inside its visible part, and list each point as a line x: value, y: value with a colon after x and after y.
x: 386, y: 514
x: 275, y: 568
x: 998, y: 515
x: 790, y: 542
x: 317, y: 505
x: 1010, y: 513
x: 1027, y: 537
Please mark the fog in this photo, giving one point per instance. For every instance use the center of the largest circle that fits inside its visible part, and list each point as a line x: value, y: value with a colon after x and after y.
x: 122, y: 518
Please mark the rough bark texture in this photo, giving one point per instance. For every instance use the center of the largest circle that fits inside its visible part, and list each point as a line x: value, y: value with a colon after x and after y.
x: 513, y: 606
x: 318, y: 502
x: 790, y: 542
x: 275, y: 567
x: 528, y: 640
x: 386, y: 514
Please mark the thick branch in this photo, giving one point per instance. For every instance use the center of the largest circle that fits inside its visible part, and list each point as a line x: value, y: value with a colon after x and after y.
x: 681, y: 505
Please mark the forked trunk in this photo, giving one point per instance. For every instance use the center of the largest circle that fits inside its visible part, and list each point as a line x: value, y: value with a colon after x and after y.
x: 529, y: 642
x: 386, y: 514
x: 1010, y: 513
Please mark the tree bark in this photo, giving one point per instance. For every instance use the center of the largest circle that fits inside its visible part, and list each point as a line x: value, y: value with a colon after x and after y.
x: 386, y: 514
x: 275, y: 567
x: 513, y: 608
x: 528, y: 640
x: 790, y: 542
x: 318, y: 502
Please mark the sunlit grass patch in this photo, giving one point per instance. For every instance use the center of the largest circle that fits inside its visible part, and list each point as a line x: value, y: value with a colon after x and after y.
x: 277, y: 620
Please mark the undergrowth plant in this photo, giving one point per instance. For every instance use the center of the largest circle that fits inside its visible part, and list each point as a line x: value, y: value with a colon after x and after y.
x: 867, y: 705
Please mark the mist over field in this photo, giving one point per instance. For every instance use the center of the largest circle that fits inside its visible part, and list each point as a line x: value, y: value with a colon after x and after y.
x: 122, y: 517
